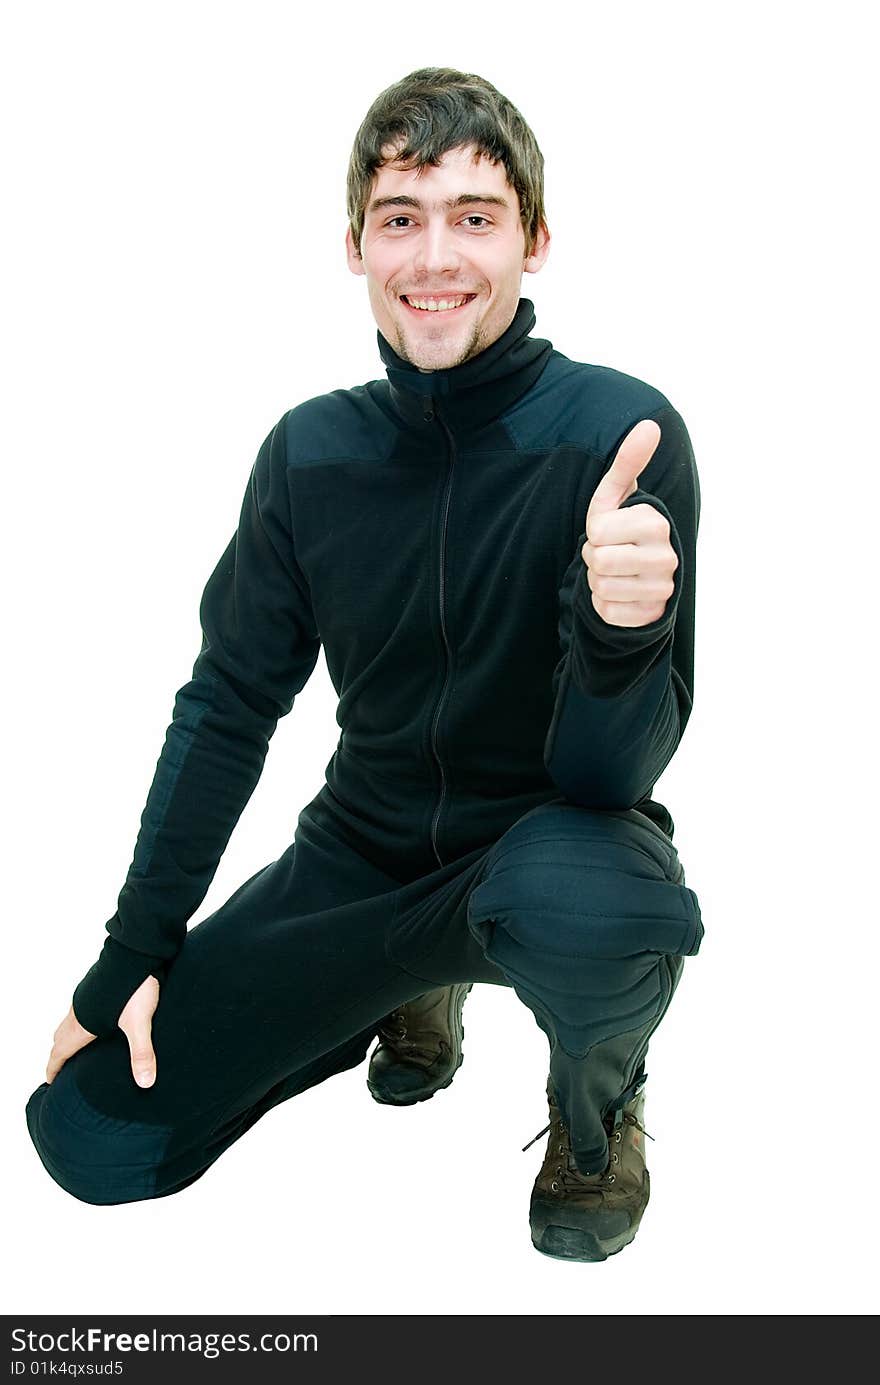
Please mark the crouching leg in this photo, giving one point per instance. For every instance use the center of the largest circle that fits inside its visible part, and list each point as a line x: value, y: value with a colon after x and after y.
x: 587, y: 913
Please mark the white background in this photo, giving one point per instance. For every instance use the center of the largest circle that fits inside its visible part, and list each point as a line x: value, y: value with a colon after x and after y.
x: 176, y: 280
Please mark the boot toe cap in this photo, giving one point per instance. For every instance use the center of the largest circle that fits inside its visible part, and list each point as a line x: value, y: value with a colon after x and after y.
x: 400, y: 1082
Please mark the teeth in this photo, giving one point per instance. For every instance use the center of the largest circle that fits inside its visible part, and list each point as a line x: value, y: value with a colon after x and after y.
x: 437, y: 305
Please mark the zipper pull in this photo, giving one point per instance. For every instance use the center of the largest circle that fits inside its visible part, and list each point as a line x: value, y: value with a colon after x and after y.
x: 428, y: 409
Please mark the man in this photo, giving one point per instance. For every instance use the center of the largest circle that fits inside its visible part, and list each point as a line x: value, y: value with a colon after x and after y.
x: 496, y: 547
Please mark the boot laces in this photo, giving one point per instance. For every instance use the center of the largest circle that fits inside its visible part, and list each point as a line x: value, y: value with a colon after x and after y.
x: 628, y: 1119
x: 567, y: 1174
x: 393, y: 1027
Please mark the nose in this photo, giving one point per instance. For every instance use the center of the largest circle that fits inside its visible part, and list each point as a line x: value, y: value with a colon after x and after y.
x: 436, y: 250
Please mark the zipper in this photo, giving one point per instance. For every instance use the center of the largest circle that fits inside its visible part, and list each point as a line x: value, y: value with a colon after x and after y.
x: 430, y: 413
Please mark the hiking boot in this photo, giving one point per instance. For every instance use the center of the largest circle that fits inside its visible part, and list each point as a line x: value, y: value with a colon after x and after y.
x: 419, y: 1049
x: 577, y: 1216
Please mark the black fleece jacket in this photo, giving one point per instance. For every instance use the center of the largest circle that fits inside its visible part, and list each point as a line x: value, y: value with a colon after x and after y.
x: 426, y: 530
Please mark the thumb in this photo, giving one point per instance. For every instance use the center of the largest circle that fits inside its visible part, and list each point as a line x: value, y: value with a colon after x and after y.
x: 136, y: 1023
x: 143, y: 1057
x: 631, y: 458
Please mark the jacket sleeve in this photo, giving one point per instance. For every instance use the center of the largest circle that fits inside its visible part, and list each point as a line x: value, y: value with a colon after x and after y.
x: 259, y: 646
x: 623, y: 695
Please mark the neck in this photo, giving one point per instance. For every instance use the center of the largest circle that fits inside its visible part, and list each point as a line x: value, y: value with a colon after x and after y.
x: 478, y: 390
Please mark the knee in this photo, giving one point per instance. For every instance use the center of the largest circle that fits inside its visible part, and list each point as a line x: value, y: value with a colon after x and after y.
x: 95, y: 1157
x: 576, y: 882
x: 584, y: 912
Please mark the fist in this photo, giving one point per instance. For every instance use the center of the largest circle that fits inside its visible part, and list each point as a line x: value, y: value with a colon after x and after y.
x: 628, y: 554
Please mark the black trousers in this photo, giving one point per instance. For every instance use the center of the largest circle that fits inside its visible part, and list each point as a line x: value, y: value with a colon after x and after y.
x: 583, y: 912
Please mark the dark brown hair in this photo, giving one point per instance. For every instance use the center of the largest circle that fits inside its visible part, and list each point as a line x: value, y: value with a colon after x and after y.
x: 435, y: 109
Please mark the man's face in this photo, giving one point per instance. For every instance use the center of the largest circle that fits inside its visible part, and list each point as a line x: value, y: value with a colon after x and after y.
x: 419, y: 248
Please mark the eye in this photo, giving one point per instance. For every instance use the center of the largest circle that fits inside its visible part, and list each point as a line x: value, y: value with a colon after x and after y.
x: 473, y: 216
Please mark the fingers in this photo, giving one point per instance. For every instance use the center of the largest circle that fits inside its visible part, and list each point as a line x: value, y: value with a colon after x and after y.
x: 629, y: 559
x: 57, y: 1059
x: 636, y: 524
x: 69, y: 1038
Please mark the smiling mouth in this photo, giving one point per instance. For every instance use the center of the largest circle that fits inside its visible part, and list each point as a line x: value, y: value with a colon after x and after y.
x: 431, y: 311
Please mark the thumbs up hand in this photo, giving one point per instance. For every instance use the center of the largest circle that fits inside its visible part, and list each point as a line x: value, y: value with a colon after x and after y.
x: 629, y: 558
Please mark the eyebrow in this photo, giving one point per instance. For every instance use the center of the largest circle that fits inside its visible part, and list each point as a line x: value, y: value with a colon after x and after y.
x: 464, y: 199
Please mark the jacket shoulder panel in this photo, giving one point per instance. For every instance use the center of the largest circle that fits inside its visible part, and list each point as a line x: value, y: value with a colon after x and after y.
x: 583, y: 405
x: 343, y: 424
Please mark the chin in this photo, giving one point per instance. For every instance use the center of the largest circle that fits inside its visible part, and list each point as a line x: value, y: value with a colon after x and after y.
x: 441, y: 359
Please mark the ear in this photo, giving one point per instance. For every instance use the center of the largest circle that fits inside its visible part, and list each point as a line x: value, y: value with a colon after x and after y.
x: 355, y: 262
x: 533, y: 262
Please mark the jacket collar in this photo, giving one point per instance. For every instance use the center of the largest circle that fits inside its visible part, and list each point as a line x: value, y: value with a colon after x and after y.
x: 479, y: 390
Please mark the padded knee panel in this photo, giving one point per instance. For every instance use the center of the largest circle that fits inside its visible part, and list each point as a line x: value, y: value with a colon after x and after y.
x: 577, y: 907
x: 95, y: 1157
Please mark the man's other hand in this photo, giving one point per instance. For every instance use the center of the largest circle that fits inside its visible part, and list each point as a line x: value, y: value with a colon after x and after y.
x: 135, y: 1021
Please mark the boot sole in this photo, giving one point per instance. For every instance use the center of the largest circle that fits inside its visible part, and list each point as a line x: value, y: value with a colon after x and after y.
x: 566, y: 1243
x: 425, y: 1093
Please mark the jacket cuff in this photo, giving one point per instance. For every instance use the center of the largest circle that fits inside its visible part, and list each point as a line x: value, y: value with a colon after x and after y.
x: 101, y: 995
